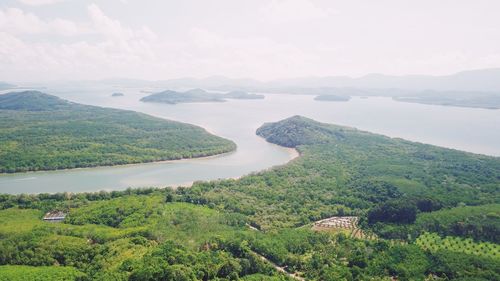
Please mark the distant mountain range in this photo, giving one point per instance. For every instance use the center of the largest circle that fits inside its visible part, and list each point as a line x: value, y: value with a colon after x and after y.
x: 481, y: 80
x: 474, y: 80
x: 484, y: 80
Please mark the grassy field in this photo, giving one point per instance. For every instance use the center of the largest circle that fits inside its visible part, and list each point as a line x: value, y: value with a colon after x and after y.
x: 433, y: 242
x: 39, y: 273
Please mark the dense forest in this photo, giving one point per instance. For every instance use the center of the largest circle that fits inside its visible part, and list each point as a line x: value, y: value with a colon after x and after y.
x: 427, y: 213
x: 43, y: 132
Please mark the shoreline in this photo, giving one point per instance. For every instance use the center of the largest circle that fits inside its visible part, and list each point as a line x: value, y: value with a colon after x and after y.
x: 425, y: 102
x: 292, y: 152
x: 120, y: 165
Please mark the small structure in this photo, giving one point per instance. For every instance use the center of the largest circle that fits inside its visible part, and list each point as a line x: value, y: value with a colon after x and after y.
x: 347, y: 225
x: 54, y: 216
x: 338, y: 222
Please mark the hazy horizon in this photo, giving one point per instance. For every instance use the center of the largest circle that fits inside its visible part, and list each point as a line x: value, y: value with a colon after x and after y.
x: 222, y: 76
x: 48, y: 40
x: 249, y: 140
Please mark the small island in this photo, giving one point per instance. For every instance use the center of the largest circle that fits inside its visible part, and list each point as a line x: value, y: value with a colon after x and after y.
x: 117, y: 95
x: 332, y: 98
x: 174, y: 97
x: 197, y: 95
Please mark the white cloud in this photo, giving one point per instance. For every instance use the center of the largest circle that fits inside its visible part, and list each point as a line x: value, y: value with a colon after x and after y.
x: 107, y: 26
x: 113, y: 29
x: 67, y: 28
x: 97, y: 45
x: 284, y: 11
x: 243, y: 55
x: 115, y: 48
x: 16, y: 21
x: 40, y: 2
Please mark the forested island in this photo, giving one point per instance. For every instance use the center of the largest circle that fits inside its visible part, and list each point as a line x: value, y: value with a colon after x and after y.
x: 174, y: 97
x: 484, y: 101
x: 422, y: 212
x: 117, y: 94
x: 43, y: 132
x: 197, y: 95
x: 332, y: 98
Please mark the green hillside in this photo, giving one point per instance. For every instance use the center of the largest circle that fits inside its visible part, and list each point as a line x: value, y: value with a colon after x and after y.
x: 43, y: 132
x: 429, y: 214
x: 33, y: 101
x: 350, y: 171
x: 298, y: 130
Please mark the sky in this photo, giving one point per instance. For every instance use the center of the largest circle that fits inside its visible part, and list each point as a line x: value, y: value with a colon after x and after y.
x: 42, y: 40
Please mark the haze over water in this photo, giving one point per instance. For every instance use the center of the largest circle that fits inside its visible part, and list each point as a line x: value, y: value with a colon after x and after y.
x: 473, y: 130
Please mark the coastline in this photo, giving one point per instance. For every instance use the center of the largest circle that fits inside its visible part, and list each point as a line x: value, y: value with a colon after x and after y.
x: 293, y: 152
x: 450, y: 104
x: 122, y: 165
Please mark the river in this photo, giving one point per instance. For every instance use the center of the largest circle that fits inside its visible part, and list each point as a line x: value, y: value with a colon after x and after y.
x: 469, y: 129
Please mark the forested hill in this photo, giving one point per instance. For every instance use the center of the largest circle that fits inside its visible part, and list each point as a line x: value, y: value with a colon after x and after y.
x: 33, y: 101
x: 43, y: 132
x: 298, y: 130
x: 345, y: 170
x: 425, y: 213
